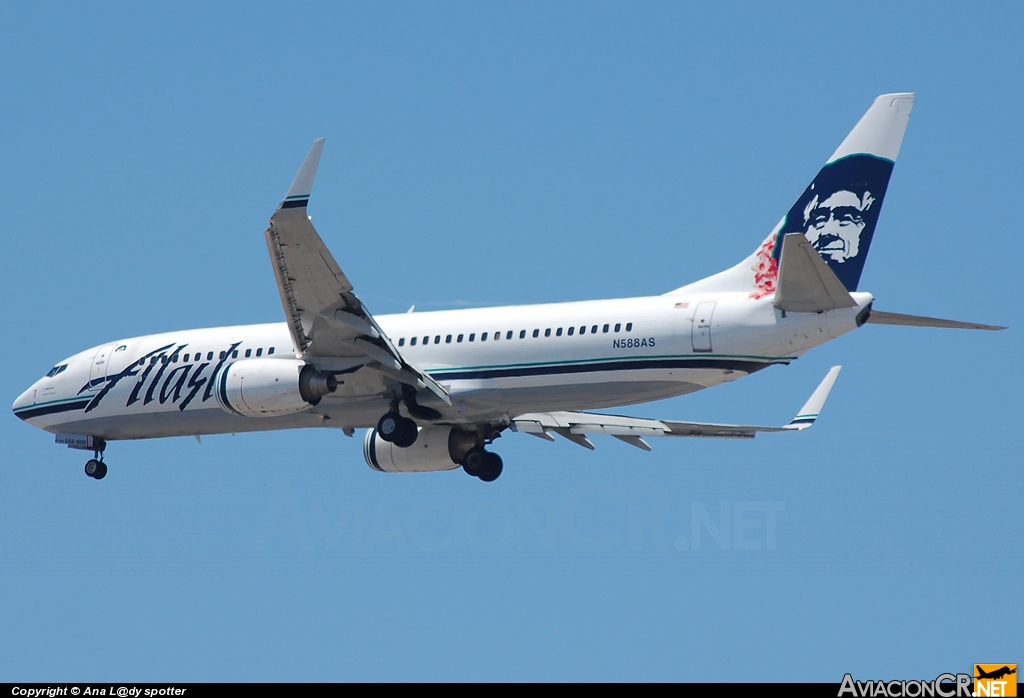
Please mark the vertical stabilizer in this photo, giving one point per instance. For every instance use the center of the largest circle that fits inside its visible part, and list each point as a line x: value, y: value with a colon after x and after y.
x: 839, y: 209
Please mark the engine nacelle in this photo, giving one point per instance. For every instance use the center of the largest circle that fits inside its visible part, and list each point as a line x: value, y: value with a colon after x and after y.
x: 271, y: 387
x: 436, y: 448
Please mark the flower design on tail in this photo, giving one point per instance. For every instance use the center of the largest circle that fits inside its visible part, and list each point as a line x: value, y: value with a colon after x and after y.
x: 766, y: 269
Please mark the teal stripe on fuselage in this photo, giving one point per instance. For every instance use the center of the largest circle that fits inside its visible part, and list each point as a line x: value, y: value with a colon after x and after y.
x: 60, y: 401
x: 578, y: 362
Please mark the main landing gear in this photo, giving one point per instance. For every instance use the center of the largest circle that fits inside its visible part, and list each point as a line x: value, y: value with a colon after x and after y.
x: 475, y: 460
x: 483, y: 464
x: 396, y: 429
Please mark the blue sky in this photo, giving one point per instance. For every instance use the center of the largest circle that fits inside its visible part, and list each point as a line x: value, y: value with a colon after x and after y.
x: 484, y: 154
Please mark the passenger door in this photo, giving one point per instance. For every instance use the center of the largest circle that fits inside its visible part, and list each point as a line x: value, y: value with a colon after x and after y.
x: 98, y: 372
x: 701, y: 333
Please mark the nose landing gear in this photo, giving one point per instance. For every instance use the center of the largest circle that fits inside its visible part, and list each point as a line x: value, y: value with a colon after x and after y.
x: 96, y: 469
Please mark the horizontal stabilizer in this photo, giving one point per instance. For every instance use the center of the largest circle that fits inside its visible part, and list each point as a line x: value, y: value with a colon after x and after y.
x: 806, y: 283
x: 574, y: 425
x: 879, y: 317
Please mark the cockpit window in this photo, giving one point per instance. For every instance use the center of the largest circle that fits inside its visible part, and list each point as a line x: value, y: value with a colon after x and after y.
x: 55, y: 370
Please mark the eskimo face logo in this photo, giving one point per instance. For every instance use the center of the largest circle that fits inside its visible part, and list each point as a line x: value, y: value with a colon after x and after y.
x: 835, y: 224
x: 838, y: 212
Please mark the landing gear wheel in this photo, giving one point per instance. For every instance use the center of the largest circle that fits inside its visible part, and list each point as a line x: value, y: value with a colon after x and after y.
x: 492, y: 467
x: 95, y: 469
x: 407, y: 434
x: 389, y: 427
x: 474, y: 461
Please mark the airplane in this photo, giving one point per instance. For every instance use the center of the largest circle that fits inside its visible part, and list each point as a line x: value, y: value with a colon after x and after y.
x: 435, y: 389
x: 995, y: 674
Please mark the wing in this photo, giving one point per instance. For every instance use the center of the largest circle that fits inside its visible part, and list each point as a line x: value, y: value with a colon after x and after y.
x: 330, y: 326
x: 576, y: 425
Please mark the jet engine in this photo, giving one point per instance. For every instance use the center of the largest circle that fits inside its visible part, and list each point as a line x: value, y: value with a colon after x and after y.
x: 436, y: 448
x: 271, y: 387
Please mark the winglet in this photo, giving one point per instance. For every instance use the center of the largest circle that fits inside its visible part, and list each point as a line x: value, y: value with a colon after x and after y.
x: 302, y: 185
x: 812, y: 408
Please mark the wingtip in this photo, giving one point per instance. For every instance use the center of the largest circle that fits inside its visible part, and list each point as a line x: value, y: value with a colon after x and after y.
x: 808, y: 414
x: 298, y: 193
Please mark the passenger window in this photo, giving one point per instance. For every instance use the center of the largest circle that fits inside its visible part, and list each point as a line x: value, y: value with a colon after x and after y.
x: 185, y: 358
x: 536, y: 333
x: 234, y: 354
x: 558, y: 332
x: 458, y: 339
x: 209, y: 355
x: 483, y: 336
x: 426, y: 340
x: 174, y: 359
x: 509, y: 335
x: 618, y: 326
x: 629, y: 327
x: 593, y: 330
x: 412, y: 342
x: 522, y: 334
x: 571, y: 330
x: 547, y: 332
x: 270, y: 351
x: 248, y: 353
x: 437, y: 338
x: 259, y: 352
x: 583, y: 329
x: 605, y: 329
x: 223, y: 355
x: 401, y: 341
x: 472, y: 336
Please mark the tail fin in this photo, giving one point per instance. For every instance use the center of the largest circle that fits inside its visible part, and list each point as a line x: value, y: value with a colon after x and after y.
x: 838, y: 211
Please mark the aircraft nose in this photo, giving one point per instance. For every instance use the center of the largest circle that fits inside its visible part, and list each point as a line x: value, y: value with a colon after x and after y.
x: 25, y: 400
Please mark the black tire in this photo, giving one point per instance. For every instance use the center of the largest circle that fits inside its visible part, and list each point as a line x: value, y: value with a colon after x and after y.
x: 407, y: 434
x: 390, y: 426
x: 492, y: 468
x: 92, y: 466
x: 102, y: 472
x: 474, y: 461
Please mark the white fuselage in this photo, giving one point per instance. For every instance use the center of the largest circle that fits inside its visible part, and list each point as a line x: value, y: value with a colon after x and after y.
x: 494, y: 362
